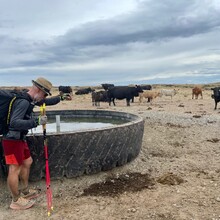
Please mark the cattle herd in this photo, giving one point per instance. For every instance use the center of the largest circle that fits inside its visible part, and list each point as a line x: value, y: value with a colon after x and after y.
x: 111, y: 92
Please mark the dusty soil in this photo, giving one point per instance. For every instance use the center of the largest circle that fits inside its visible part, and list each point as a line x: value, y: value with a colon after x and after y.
x: 176, y: 175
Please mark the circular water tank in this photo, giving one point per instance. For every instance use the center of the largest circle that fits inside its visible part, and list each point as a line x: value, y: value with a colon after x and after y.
x: 75, y: 153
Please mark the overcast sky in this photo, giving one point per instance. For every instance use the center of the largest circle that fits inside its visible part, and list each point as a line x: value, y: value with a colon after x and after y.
x: 89, y: 42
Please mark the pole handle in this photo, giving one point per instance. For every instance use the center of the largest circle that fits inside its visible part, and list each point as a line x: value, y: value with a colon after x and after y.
x: 43, y: 112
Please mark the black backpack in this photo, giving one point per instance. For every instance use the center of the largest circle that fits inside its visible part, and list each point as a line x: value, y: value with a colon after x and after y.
x: 3, y: 166
x: 7, y: 98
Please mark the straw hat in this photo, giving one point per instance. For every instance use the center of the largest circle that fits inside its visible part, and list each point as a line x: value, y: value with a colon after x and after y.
x: 43, y: 84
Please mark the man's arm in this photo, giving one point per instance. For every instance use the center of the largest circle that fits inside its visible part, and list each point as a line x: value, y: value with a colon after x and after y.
x: 49, y: 101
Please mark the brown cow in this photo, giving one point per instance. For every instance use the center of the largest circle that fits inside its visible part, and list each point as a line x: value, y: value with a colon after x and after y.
x: 149, y: 94
x: 196, y: 91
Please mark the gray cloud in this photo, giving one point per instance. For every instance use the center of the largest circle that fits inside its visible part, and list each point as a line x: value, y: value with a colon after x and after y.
x: 156, y: 40
x: 166, y: 20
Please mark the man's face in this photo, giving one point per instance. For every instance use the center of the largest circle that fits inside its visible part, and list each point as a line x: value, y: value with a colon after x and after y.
x: 40, y: 95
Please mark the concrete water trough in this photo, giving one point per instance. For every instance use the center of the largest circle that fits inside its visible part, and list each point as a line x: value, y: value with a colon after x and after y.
x: 86, y: 151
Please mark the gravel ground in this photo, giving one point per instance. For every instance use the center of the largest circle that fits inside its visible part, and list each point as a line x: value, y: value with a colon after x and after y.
x: 180, y: 155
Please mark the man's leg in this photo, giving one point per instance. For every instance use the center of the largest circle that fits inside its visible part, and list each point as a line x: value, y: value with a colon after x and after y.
x: 27, y: 192
x: 25, y: 171
x: 13, y: 180
x: 14, y: 152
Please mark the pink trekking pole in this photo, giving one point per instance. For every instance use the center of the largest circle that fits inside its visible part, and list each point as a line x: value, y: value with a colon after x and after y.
x: 48, y: 190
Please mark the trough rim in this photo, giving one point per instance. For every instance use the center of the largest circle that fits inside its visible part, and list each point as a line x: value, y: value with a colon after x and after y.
x: 135, y: 120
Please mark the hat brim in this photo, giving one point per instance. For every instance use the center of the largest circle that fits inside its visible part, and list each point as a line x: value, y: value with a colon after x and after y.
x: 42, y: 88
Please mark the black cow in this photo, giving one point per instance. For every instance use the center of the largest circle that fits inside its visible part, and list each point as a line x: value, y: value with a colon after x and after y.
x: 98, y: 97
x: 123, y: 92
x: 146, y: 87
x: 216, y: 95
x: 65, y: 89
x: 84, y: 91
x: 107, y: 86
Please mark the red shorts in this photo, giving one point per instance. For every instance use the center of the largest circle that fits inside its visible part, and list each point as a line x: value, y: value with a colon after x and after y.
x: 16, y: 151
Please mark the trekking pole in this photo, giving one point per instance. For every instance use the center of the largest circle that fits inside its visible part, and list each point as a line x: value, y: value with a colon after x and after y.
x: 49, y: 192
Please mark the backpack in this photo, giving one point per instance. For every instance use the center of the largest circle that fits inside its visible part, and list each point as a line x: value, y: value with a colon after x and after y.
x: 3, y: 166
x: 7, y: 98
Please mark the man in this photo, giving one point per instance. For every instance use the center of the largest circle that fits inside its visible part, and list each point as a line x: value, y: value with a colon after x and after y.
x: 16, y: 151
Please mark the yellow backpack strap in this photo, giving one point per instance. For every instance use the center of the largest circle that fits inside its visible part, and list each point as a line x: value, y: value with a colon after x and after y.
x: 9, y: 109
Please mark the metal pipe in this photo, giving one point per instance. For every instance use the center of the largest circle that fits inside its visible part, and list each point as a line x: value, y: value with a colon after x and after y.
x: 58, y: 123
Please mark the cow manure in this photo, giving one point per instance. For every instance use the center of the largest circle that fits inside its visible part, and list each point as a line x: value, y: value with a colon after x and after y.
x: 177, y: 144
x: 211, y: 122
x: 181, y: 105
x: 170, y: 179
x: 197, y: 116
x: 114, y: 186
x: 189, y: 112
x: 214, y: 140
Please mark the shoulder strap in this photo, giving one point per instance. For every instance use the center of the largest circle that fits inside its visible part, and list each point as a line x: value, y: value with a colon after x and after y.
x: 9, y: 109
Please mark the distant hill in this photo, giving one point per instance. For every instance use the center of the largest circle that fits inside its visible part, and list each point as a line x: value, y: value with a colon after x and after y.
x: 204, y: 86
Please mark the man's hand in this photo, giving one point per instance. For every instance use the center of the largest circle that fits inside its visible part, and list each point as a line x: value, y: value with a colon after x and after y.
x: 65, y: 97
x: 42, y: 120
x: 62, y: 97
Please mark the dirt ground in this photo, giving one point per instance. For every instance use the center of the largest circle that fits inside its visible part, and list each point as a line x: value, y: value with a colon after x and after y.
x: 176, y: 176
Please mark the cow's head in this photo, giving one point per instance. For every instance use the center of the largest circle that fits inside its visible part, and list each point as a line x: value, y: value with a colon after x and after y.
x: 216, y: 91
x: 138, y: 88
x: 158, y: 94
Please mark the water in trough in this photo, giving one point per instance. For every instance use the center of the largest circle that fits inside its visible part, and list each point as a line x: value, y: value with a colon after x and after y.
x: 78, y: 124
